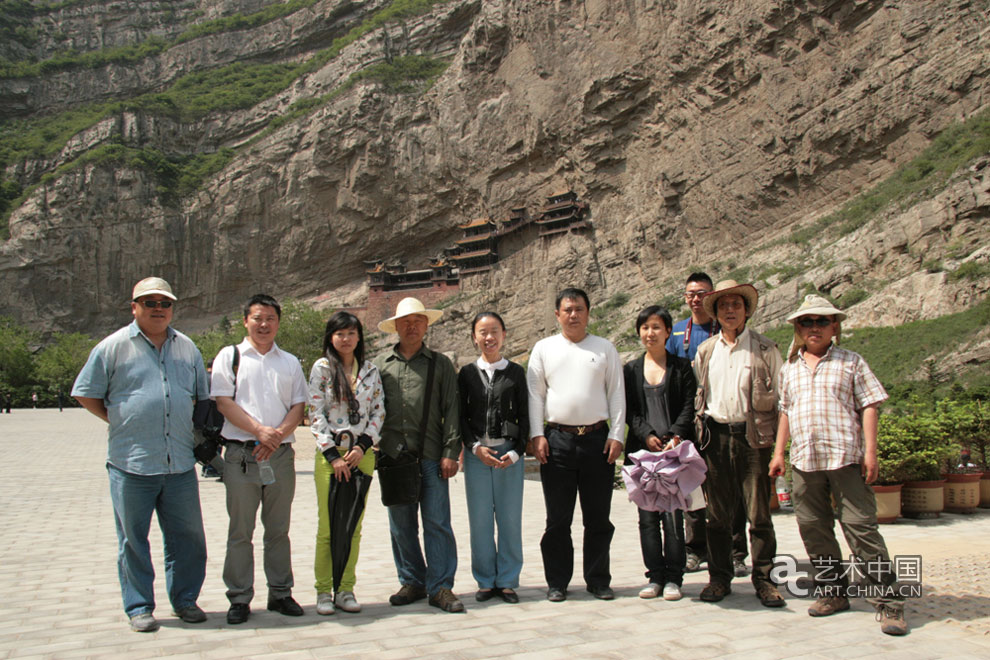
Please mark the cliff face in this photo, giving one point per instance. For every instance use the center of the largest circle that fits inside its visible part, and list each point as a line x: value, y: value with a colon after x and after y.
x: 699, y: 132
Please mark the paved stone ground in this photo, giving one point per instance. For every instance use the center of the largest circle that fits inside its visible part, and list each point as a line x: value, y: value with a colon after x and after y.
x: 61, y: 598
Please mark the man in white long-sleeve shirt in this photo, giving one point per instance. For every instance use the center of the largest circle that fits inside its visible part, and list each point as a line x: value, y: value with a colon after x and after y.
x: 577, y: 419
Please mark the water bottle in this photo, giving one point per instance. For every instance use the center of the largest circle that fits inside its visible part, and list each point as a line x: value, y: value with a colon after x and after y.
x: 783, y: 493
x: 266, y: 473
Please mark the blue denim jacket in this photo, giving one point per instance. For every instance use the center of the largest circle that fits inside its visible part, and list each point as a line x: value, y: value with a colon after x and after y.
x: 149, y: 397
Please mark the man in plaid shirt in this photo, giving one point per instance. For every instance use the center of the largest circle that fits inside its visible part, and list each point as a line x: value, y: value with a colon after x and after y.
x: 828, y: 409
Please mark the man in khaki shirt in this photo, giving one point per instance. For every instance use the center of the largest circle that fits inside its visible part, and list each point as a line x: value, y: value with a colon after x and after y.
x: 736, y: 405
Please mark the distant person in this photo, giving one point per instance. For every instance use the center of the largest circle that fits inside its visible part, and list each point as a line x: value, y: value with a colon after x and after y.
x: 495, y: 428
x: 34, y: 399
x: 142, y: 380
x: 660, y: 389
x: 685, y: 337
x: 61, y: 399
x: 346, y: 413
x: 262, y: 408
x: 736, y: 410
x: 577, y: 416
x: 828, y: 409
x: 436, y: 441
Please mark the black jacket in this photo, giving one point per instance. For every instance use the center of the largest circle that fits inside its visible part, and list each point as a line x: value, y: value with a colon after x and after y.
x: 502, y: 408
x: 681, y: 386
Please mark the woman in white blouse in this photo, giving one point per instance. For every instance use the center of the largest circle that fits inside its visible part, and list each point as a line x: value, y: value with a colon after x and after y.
x: 346, y: 411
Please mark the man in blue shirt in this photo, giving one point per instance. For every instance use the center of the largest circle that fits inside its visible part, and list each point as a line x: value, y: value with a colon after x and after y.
x: 143, y: 381
x: 685, y: 338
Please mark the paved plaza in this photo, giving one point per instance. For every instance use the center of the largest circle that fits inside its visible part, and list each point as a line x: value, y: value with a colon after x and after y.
x: 61, y: 598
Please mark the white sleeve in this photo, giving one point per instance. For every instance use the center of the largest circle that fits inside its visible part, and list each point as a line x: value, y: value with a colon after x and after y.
x: 222, y: 377
x: 537, y: 384
x: 615, y: 392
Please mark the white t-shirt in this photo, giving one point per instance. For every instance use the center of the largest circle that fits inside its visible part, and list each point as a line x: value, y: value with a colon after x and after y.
x: 267, y: 386
x: 575, y: 384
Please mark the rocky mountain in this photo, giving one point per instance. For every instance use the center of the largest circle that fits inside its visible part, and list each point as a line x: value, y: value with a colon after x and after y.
x: 232, y: 150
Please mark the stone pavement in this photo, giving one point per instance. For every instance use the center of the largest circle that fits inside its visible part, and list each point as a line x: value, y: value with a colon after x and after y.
x: 61, y: 597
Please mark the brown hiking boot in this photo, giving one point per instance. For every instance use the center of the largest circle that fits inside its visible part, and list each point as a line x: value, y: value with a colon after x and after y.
x: 407, y: 594
x: 829, y: 605
x: 714, y: 592
x: 446, y: 601
x: 768, y: 595
x: 891, y: 620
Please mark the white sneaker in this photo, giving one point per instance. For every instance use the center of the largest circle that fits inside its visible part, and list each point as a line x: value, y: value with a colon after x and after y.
x: 345, y: 600
x: 324, y: 603
x: 652, y: 590
x: 672, y: 592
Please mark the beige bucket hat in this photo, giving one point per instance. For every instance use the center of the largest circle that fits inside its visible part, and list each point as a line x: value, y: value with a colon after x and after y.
x: 818, y: 306
x: 726, y: 287
x: 408, y: 307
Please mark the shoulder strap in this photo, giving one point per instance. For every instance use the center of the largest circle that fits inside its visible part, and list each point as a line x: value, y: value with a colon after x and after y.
x: 235, y: 361
x: 430, y: 370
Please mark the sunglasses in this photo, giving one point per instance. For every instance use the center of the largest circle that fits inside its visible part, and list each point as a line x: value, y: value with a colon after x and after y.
x: 354, y: 414
x: 152, y: 304
x: 821, y: 322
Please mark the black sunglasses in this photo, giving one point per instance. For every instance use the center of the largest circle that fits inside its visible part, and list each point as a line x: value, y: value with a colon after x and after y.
x: 151, y: 304
x: 354, y: 414
x: 821, y: 322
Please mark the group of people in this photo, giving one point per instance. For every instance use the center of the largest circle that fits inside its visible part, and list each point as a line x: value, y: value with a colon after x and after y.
x: 709, y: 380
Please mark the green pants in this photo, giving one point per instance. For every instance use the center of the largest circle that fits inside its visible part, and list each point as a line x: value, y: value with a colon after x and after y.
x: 323, y: 473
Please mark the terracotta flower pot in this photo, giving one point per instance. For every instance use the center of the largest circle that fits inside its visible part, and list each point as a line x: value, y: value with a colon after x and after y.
x: 962, y: 492
x: 923, y: 499
x: 888, y: 502
x: 985, y: 491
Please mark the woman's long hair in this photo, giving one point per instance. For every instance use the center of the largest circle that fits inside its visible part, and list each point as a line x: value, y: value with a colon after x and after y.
x: 340, y: 381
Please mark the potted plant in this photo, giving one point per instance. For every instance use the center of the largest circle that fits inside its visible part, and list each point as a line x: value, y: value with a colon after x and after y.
x: 892, y: 454
x: 964, y: 421
x: 923, y: 435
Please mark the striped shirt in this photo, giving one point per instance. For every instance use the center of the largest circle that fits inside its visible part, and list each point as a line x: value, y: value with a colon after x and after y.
x: 822, y: 408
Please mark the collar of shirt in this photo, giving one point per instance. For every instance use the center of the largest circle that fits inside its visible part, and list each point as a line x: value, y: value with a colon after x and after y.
x: 827, y: 356
x: 739, y: 339
x: 247, y: 347
x: 491, y: 367
x: 423, y: 350
x: 134, y: 330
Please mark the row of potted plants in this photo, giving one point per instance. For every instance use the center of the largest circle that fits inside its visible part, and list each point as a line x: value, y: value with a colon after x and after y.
x: 933, y: 458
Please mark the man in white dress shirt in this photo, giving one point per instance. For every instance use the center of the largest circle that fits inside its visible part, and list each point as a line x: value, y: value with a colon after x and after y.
x: 262, y: 404
x: 577, y: 421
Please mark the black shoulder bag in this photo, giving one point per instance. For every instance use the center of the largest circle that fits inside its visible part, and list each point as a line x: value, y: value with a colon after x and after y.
x: 399, y: 478
x: 208, y: 422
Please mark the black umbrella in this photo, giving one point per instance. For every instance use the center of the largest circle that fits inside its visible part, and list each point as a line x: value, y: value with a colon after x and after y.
x: 346, y: 504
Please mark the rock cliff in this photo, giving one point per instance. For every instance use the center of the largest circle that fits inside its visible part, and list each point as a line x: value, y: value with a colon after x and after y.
x: 701, y: 133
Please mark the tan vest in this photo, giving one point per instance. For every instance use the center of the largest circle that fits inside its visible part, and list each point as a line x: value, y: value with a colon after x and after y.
x: 762, y: 393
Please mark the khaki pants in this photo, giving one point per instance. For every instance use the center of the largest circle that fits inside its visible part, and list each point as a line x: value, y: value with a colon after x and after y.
x: 244, y: 494
x: 857, y: 511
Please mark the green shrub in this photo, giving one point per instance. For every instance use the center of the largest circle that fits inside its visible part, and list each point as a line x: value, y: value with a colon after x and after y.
x: 852, y: 297
x: 971, y: 270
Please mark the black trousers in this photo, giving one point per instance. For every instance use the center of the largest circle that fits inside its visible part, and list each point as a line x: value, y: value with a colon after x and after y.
x: 738, y: 472
x: 577, y: 468
x: 696, y: 533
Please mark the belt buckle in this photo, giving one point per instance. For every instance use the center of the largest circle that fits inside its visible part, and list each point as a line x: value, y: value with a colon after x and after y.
x: 581, y: 430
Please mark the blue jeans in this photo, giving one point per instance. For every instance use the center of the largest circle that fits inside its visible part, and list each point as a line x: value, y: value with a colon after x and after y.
x: 175, y: 498
x: 494, y: 496
x: 437, y: 572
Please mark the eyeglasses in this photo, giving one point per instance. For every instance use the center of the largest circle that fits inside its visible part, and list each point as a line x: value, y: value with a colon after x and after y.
x: 696, y: 294
x: 821, y: 322
x: 152, y: 304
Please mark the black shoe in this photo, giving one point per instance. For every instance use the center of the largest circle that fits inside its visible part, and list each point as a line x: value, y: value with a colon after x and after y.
x: 191, y: 614
x: 602, y: 593
x: 238, y: 613
x: 484, y: 594
x: 508, y: 595
x: 556, y: 595
x: 285, y: 605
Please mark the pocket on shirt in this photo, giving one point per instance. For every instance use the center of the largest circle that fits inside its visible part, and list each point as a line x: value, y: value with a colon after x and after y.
x: 184, y: 375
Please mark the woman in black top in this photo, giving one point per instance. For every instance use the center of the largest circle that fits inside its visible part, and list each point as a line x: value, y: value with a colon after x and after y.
x: 495, y: 427
x: 660, y: 390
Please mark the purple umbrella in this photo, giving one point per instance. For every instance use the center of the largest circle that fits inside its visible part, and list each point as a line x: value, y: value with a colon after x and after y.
x: 665, y: 480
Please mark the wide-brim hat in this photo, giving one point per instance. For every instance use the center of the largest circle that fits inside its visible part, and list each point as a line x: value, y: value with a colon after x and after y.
x: 727, y: 287
x: 818, y: 306
x: 150, y: 286
x: 408, y: 307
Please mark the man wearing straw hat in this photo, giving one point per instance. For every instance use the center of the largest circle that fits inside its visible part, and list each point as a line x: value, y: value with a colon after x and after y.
x: 406, y: 374
x: 736, y: 423
x: 142, y: 380
x: 828, y: 409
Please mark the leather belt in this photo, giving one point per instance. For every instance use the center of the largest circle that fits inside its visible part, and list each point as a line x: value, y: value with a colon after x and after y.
x: 242, y: 443
x: 732, y: 428
x: 577, y: 430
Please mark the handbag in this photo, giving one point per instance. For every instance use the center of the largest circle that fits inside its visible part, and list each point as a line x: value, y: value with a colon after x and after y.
x: 208, y: 422
x: 399, y: 477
